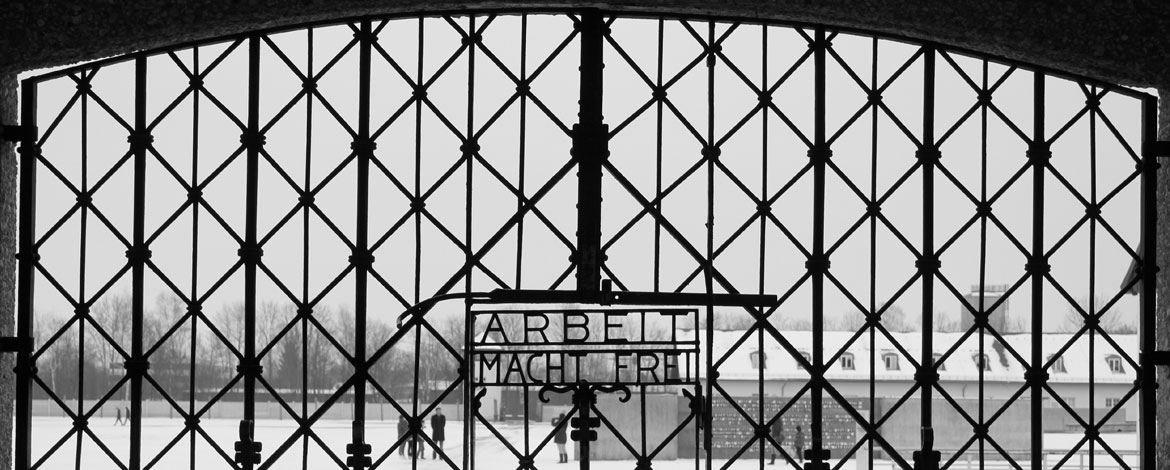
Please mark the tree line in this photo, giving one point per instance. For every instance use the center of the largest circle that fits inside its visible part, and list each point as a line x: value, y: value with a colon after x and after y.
x: 200, y: 357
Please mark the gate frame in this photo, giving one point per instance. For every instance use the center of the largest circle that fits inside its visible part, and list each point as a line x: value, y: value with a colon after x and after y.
x: 27, y: 258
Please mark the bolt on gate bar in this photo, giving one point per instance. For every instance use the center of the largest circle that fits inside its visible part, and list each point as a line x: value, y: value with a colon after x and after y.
x: 593, y: 140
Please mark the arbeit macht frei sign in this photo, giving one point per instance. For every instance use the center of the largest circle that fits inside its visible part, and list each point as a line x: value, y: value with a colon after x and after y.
x: 558, y: 346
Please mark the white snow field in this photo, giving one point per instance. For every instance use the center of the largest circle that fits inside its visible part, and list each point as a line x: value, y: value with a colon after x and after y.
x: 489, y: 452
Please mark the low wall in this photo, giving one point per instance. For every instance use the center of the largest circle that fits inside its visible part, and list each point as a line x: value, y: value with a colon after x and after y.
x: 661, y: 418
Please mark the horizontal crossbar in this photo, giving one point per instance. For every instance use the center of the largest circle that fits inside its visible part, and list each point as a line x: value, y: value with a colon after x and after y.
x: 606, y: 297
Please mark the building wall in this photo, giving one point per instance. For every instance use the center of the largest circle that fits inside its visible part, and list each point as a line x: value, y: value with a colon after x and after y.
x: 1011, y: 429
x: 1077, y: 394
x: 998, y: 318
x: 1114, y: 40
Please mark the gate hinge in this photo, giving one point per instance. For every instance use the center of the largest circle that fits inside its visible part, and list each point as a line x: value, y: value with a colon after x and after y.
x: 1160, y: 358
x: 15, y: 133
x: 15, y: 344
x: 1158, y: 148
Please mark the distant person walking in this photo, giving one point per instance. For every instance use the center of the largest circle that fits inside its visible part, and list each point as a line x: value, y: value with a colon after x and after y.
x: 798, y: 442
x: 118, y: 419
x: 127, y: 420
x: 778, y: 436
x: 438, y: 431
x: 559, y: 438
x: 402, y: 427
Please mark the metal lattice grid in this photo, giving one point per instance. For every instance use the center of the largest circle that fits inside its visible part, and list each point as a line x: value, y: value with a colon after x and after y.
x: 280, y: 197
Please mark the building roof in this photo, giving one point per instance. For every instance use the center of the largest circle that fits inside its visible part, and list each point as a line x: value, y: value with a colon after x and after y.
x: 960, y: 365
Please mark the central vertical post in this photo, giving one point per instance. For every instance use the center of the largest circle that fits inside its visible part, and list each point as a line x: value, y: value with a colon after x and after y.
x: 247, y: 450
x: 361, y: 258
x: 584, y: 397
x: 590, y: 149
x: 928, y: 264
x: 818, y: 263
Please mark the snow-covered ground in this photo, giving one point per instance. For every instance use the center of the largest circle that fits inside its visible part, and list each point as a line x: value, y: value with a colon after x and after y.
x: 490, y: 453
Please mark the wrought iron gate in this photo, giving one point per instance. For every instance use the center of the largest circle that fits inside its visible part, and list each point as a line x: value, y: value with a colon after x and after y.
x: 246, y: 186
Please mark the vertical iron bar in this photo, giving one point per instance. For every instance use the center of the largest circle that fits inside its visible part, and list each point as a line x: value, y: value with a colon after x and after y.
x: 1147, y: 404
x: 305, y: 218
x: 584, y: 406
x: 469, y: 404
x: 520, y: 154
x: 927, y: 155
x: 761, y: 415
x: 27, y: 266
x: 1038, y: 151
x: 708, y: 385
x: 250, y: 252
x: 659, y: 108
x: 982, y: 257
x: 364, y: 147
x: 1091, y: 305
x: 873, y: 221
x: 418, y: 124
x: 708, y: 284
x: 469, y: 147
x: 819, y: 154
x: 84, y: 215
x: 194, y: 293
x: 138, y: 263
x: 590, y: 149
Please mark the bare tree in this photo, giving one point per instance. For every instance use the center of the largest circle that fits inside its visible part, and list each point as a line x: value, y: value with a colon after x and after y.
x: 112, y: 313
x: 845, y: 321
x: 57, y: 360
x: 896, y: 319
x: 322, y: 357
x: 1112, y: 320
x: 170, y: 362
x: 269, y: 319
x: 792, y: 323
x: 732, y: 319
x: 944, y: 322
x: 304, y: 357
x: 1016, y: 323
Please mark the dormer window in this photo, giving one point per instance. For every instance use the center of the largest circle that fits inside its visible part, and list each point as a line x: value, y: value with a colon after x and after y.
x: 847, y: 361
x: 807, y: 358
x: 1115, y: 365
x: 935, y: 358
x: 759, y: 359
x: 982, y: 362
x: 891, y: 360
x: 1058, y: 365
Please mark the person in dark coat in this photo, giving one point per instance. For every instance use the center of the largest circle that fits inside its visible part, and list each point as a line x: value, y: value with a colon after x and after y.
x: 402, y: 427
x: 118, y: 419
x: 778, y: 436
x: 438, y: 431
x: 798, y: 442
x: 560, y: 437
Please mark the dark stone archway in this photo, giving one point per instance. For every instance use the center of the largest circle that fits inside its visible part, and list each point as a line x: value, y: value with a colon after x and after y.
x: 1114, y: 40
x: 1120, y: 41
